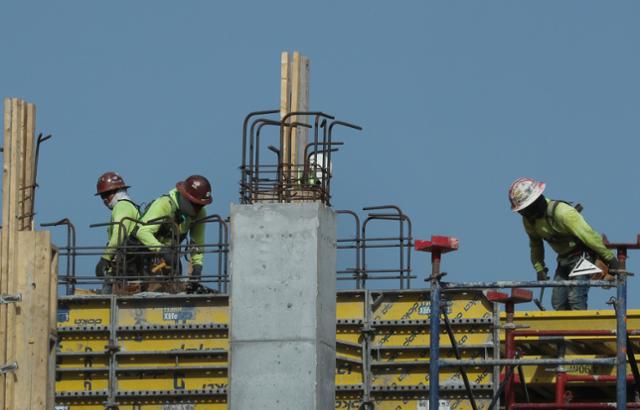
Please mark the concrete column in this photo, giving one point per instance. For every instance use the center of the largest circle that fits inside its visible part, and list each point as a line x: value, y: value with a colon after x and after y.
x: 282, y: 307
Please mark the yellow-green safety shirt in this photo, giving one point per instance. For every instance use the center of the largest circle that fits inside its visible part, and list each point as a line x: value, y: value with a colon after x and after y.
x: 568, y: 231
x: 167, y: 207
x: 123, y: 209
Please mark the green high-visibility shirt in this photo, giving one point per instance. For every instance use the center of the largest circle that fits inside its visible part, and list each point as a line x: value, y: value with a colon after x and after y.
x: 123, y: 209
x: 154, y: 236
x: 569, y: 230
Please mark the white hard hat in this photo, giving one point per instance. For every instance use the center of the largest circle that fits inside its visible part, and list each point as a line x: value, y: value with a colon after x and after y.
x: 523, y: 192
x: 315, y: 166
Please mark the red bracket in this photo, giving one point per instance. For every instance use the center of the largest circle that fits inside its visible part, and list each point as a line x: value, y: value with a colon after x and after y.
x: 518, y: 295
x: 437, y: 246
x: 621, y: 248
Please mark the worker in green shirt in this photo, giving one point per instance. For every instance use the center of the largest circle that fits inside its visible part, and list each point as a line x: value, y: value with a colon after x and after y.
x: 171, y: 217
x: 113, y: 191
x: 565, y: 230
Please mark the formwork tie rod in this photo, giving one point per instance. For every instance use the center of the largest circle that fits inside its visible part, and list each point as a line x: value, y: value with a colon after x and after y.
x: 4, y: 299
x: 9, y: 367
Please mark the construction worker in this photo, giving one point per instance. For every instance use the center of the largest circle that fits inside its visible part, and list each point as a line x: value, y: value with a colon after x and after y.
x: 113, y: 191
x: 569, y: 235
x: 169, y: 219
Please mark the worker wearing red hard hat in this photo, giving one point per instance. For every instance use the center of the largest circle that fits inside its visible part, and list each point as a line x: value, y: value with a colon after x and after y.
x: 562, y: 226
x: 178, y: 210
x: 113, y: 191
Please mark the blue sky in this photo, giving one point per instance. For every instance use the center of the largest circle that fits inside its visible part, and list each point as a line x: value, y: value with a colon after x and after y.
x: 457, y: 99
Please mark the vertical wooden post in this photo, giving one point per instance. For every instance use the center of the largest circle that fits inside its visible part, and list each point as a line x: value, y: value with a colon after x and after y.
x: 285, y: 100
x: 25, y: 268
x: 294, y: 97
x: 29, y: 173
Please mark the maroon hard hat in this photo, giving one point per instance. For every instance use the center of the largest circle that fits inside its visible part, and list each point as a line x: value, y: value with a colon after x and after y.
x: 110, y: 181
x: 196, y: 189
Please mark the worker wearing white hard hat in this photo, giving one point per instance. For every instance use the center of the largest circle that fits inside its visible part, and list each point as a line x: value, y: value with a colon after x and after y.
x: 562, y: 226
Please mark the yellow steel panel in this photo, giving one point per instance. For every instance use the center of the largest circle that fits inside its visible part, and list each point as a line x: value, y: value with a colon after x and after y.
x: 422, y: 404
x: 350, y: 306
x: 145, y: 403
x: 419, y: 375
x: 75, y: 362
x: 166, y: 312
x: 165, y: 361
x: 349, y: 334
x: 84, y: 313
x: 412, y: 305
x: 172, y: 380
x: 82, y: 342
x: 81, y: 381
x: 416, y: 336
x: 348, y: 374
x: 166, y: 341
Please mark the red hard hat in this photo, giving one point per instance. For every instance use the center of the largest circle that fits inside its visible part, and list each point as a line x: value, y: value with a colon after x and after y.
x: 110, y: 181
x: 196, y: 189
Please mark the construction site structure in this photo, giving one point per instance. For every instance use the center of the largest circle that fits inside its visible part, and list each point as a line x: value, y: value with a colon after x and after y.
x: 267, y: 328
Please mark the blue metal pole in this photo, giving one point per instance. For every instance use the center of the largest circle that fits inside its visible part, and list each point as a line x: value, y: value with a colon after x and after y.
x: 621, y: 341
x: 434, y: 344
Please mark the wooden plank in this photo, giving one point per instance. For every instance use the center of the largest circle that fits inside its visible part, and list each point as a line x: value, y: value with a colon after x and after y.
x: 17, y: 131
x: 32, y: 327
x: 295, y: 106
x: 303, y: 133
x: 4, y: 256
x: 40, y: 317
x: 29, y: 167
x: 285, y: 99
x: 23, y: 269
x: 53, y: 323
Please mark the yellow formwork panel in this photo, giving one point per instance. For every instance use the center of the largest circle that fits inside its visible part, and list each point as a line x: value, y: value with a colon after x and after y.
x: 74, y: 362
x: 148, y: 311
x: 173, y: 340
x: 419, y: 375
x: 82, y: 381
x: 394, y: 402
x: 423, y: 404
x: 416, y: 336
x: 350, y: 306
x: 175, y: 379
x: 348, y: 374
x: 84, y: 312
x: 82, y: 342
x: 349, y: 334
x: 142, y: 404
x: 415, y: 305
x: 166, y: 361
x: 574, y: 320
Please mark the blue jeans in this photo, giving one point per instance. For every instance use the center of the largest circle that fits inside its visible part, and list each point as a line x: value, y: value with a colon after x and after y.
x: 575, y: 297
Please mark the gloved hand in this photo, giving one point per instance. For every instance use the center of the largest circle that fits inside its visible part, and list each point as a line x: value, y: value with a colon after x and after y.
x: 614, y: 265
x: 196, y: 271
x: 543, y: 274
x: 102, y: 267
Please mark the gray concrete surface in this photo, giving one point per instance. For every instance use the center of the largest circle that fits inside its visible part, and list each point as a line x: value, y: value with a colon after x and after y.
x: 282, y: 307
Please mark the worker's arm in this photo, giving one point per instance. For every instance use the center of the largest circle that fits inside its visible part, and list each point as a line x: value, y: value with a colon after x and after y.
x: 573, y: 222
x: 196, y: 232
x: 536, y: 245
x: 122, y: 210
x: 160, y: 208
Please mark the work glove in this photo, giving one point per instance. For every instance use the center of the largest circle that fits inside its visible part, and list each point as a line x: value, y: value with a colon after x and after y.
x: 614, y: 265
x: 102, y: 267
x: 196, y: 272
x: 543, y: 274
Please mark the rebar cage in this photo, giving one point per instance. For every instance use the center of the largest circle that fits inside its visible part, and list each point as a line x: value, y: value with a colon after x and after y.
x: 291, y: 172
